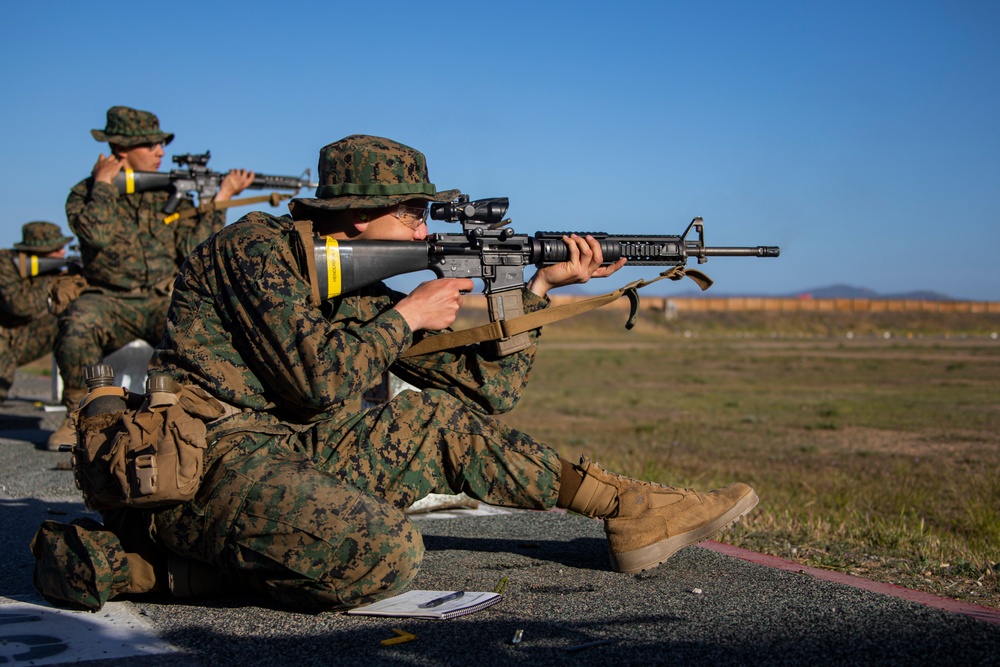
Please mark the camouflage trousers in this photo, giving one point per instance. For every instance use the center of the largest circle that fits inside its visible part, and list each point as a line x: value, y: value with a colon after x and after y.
x: 317, y: 517
x: 100, y: 322
x: 22, y: 344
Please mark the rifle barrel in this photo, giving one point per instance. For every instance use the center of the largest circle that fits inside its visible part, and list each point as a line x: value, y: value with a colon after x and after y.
x: 753, y: 251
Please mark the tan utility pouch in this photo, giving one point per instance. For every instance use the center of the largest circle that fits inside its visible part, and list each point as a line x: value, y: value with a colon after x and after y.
x: 148, y: 458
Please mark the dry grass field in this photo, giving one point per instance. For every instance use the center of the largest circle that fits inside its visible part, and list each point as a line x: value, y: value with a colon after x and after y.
x: 872, y: 440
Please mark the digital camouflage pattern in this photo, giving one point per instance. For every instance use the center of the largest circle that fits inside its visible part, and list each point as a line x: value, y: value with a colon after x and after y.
x: 303, y: 492
x: 27, y: 329
x: 125, y: 243
x: 362, y: 171
x: 130, y: 257
x: 127, y: 127
x: 79, y: 565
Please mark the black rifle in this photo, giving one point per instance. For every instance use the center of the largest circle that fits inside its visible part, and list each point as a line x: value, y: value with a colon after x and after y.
x: 197, y: 178
x: 29, y: 265
x: 489, y: 250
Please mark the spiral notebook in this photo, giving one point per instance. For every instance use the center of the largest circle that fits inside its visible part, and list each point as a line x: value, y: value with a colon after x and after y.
x: 430, y: 604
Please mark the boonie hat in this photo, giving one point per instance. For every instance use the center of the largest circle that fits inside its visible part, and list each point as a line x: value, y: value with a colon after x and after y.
x: 41, y: 237
x: 362, y: 171
x: 127, y: 127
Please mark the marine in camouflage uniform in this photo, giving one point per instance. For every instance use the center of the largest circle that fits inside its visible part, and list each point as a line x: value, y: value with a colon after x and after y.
x: 27, y: 328
x: 304, y: 494
x: 131, y: 254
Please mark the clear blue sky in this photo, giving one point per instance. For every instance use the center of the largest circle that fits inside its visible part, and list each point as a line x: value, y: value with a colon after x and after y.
x: 860, y: 136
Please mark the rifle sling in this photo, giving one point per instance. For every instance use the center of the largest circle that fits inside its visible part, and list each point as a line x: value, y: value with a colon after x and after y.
x: 507, y: 328
x: 211, y: 206
x: 304, y: 229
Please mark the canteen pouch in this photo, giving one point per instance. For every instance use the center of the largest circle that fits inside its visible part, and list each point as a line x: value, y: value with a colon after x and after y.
x: 96, y: 436
x: 148, y: 458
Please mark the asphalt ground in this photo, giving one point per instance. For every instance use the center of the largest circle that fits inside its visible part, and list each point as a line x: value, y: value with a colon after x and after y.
x: 706, y: 606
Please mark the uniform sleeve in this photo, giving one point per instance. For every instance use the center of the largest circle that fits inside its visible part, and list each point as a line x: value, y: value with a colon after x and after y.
x: 306, y: 362
x: 91, y: 213
x: 473, y: 373
x: 194, y: 233
x: 22, y: 297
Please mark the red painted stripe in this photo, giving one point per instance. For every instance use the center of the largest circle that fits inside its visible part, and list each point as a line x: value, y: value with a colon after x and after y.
x: 976, y: 611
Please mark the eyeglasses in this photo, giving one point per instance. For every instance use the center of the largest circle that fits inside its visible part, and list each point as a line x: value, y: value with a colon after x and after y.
x: 411, y: 216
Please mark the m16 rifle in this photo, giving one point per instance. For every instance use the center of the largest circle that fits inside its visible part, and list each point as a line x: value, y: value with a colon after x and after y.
x: 194, y: 177
x: 29, y: 266
x: 489, y: 250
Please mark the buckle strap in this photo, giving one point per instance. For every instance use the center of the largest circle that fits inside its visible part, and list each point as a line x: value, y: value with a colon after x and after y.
x: 530, y: 321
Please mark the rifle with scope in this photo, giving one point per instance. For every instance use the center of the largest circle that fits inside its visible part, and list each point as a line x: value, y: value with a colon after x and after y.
x: 29, y: 266
x: 488, y: 249
x: 196, y: 178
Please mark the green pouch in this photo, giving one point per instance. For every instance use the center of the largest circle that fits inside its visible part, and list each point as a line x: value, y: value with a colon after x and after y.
x: 79, y: 565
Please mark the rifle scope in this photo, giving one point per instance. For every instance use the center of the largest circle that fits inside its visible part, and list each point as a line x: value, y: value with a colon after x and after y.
x: 489, y: 211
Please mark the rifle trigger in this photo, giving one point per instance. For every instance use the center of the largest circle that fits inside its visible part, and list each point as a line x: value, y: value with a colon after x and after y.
x: 633, y: 298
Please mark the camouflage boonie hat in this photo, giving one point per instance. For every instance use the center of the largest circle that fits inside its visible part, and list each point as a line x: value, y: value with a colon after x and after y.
x: 79, y: 565
x: 361, y: 171
x: 41, y: 237
x: 127, y: 127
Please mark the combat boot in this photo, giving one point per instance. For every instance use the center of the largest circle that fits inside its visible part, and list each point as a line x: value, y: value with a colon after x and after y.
x: 647, y: 523
x: 66, y: 433
x: 189, y: 578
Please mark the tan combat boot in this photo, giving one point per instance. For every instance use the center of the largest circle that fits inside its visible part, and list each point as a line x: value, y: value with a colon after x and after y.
x: 189, y: 578
x: 66, y: 433
x: 647, y: 523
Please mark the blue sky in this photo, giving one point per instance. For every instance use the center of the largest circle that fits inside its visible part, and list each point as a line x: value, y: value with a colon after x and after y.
x: 861, y: 137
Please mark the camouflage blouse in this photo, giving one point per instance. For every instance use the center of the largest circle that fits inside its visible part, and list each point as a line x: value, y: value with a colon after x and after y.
x: 125, y: 243
x: 21, y: 299
x: 242, y: 326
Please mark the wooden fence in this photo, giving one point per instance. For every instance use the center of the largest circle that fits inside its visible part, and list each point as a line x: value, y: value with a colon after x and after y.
x: 792, y: 305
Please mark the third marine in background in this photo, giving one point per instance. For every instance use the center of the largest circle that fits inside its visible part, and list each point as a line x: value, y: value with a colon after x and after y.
x: 27, y: 327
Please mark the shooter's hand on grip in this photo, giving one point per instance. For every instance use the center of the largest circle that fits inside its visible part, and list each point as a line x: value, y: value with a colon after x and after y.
x: 434, y: 305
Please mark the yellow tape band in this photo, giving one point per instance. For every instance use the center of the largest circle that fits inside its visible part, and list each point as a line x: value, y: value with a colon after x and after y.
x: 333, y: 272
x: 34, y: 265
x: 129, y: 182
x: 171, y: 218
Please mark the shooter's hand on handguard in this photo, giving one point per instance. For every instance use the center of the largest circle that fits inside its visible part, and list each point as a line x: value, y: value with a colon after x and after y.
x: 584, y: 263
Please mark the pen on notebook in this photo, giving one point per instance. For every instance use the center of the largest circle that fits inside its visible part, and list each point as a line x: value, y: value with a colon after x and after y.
x: 437, y: 602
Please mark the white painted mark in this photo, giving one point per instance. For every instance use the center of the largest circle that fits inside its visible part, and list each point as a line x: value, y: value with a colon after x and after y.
x: 32, y: 634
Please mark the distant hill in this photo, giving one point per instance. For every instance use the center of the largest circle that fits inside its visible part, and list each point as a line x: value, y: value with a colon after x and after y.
x: 851, y: 292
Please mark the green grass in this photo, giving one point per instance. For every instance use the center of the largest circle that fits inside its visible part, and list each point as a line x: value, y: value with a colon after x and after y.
x: 875, y: 456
